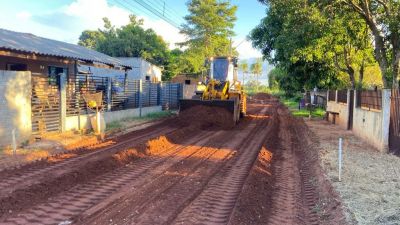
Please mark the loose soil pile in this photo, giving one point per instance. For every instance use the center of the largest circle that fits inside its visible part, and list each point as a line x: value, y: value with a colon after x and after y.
x: 206, y: 117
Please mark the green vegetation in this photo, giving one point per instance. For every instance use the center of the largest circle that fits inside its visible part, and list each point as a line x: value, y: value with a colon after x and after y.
x: 209, y: 28
x: 149, y: 117
x: 133, y: 40
x: 293, y: 106
x: 330, y: 44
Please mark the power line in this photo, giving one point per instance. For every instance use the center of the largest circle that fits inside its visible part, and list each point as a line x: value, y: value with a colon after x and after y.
x: 157, y: 13
x: 169, y: 10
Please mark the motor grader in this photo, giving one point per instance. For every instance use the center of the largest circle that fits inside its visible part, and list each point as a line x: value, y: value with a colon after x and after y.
x: 220, y: 88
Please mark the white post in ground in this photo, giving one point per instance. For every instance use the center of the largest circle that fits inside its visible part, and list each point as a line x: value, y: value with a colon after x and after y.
x: 14, y: 142
x: 340, y: 159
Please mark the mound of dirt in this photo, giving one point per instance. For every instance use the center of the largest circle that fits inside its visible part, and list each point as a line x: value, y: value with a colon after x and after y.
x: 262, y: 96
x: 206, y: 117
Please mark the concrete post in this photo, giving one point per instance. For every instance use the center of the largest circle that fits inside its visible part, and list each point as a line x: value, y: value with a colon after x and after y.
x: 109, y: 100
x: 140, y: 97
x: 63, y: 101
x: 386, y: 95
x: 336, y: 94
x: 159, y: 93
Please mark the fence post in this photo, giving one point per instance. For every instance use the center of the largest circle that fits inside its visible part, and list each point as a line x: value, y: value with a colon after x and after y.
x: 63, y: 101
x: 140, y: 97
x: 109, y: 88
x: 159, y: 94
x: 336, y: 96
x: 386, y: 104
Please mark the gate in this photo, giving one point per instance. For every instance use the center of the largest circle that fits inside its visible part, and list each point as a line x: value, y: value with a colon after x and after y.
x: 45, y: 103
x: 351, y: 109
x: 394, y: 133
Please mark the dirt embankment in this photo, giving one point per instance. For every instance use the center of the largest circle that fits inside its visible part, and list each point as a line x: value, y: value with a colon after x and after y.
x: 286, y: 184
x: 206, y: 117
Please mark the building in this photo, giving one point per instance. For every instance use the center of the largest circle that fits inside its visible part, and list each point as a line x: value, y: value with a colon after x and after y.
x: 39, y: 77
x: 142, y: 69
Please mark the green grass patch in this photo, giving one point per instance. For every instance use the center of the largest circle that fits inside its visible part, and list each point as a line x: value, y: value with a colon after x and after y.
x: 293, y: 105
x: 113, y: 125
x: 151, y: 116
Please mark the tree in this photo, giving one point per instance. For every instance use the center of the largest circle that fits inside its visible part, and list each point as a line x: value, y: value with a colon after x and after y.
x: 209, y: 27
x: 132, y: 40
x: 383, y: 20
x: 256, y: 70
x: 309, y: 34
x: 244, y: 67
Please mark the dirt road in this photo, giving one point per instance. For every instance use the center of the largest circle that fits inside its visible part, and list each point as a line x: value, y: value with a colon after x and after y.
x: 259, y: 172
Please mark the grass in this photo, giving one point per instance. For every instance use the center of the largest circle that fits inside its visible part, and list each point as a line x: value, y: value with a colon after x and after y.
x: 293, y: 105
x: 151, y: 116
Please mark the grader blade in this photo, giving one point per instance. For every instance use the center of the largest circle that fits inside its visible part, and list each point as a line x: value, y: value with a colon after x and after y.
x: 231, y: 106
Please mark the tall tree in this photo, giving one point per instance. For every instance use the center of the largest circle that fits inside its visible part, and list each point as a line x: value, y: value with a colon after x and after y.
x: 309, y: 34
x: 383, y: 20
x: 132, y: 40
x: 244, y: 67
x: 256, y: 70
x: 209, y: 27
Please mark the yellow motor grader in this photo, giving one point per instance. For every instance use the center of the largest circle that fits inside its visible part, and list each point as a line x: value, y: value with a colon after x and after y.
x: 221, y: 88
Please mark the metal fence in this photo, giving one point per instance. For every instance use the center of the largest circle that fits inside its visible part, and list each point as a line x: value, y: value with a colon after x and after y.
x: 124, y: 94
x: 342, y: 96
x: 79, y: 85
x: 370, y: 99
x: 331, y: 95
x: 120, y: 94
x: 170, y: 93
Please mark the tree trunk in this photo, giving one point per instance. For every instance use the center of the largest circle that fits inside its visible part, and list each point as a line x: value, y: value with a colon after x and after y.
x: 396, y: 65
x: 361, y: 75
x: 350, y: 71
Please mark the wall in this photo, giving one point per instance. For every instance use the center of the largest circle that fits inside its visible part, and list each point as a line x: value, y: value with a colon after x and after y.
x: 343, y: 110
x: 141, y: 68
x: 72, y: 122
x: 35, y: 66
x: 373, y: 125
x: 15, y: 106
x: 189, y: 91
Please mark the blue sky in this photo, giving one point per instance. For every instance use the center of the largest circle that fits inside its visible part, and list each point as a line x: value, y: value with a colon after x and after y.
x: 64, y: 20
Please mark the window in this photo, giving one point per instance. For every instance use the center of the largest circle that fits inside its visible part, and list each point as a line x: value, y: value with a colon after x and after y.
x: 17, y: 67
x: 147, y: 77
x: 187, y: 82
x: 54, y: 74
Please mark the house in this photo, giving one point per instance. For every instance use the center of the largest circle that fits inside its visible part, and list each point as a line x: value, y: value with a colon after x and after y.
x: 39, y: 79
x: 142, y: 69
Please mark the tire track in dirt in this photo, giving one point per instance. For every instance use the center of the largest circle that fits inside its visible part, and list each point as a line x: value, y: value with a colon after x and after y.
x: 180, y: 189
x: 34, y: 175
x: 214, y: 205
x: 71, y: 203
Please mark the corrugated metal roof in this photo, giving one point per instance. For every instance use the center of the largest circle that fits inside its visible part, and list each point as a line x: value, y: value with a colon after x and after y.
x: 29, y: 43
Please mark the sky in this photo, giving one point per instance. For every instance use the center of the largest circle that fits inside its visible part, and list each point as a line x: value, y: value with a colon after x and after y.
x: 64, y: 20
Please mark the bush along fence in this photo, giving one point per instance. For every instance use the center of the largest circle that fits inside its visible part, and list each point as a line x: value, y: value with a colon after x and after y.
x: 371, y: 114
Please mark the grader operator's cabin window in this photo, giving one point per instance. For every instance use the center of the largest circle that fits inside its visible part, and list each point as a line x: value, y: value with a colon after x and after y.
x: 17, y: 67
x: 221, y: 67
x: 187, y: 82
x: 54, y: 74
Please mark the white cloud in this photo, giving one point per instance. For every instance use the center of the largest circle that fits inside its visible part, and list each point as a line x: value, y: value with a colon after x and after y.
x: 169, y: 33
x: 66, y: 23
x: 23, y: 15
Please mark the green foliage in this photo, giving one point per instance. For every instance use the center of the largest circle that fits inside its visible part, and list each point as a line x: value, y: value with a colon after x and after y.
x: 293, y: 105
x: 132, y: 40
x: 209, y: 27
x: 313, y: 45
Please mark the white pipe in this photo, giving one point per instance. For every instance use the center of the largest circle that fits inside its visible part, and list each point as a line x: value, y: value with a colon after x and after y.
x: 340, y: 159
x: 14, y: 142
